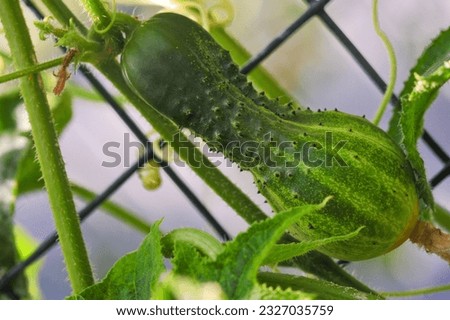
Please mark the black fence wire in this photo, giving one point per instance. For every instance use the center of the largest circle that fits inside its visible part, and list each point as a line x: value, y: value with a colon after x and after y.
x: 316, y: 9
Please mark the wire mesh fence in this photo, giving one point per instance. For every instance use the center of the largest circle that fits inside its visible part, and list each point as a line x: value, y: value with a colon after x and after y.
x: 316, y: 9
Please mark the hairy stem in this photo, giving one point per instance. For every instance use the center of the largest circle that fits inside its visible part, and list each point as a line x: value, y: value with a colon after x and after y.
x: 47, y: 148
x: 98, y: 13
x: 30, y: 70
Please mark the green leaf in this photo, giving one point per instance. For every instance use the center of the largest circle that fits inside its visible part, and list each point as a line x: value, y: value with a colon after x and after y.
x: 283, y: 252
x: 26, y: 245
x: 69, y: 38
x: 414, y: 106
x: 426, y: 78
x: 238, y: 264
x: 320, y: 289
x: 11, y: 147
x: 134, y: 276
x: 189, y: 261
x: 8, y: 104
x: 324, y: 267
x: 433, y: 57
x: 10, y: 151
x: 202, y: 241
x: 61, y: 107
x: 29, y: 177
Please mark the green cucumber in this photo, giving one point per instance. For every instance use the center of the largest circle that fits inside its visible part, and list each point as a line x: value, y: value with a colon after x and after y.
x: 296, y: 156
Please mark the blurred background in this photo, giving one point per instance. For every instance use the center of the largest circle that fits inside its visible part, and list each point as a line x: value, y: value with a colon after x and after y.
x: 314, y: 68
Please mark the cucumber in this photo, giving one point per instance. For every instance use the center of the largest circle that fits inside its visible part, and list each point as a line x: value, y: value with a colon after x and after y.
x: 296, y: 156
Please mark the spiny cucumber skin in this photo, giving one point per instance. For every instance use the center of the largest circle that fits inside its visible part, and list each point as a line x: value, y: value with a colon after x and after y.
x: 175, y: 66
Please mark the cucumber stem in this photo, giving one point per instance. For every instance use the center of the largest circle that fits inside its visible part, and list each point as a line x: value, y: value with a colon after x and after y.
x: 30, y: 70
x: 432, y: 239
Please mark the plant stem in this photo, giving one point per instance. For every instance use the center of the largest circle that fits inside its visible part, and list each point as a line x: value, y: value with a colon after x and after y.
x: 47, y: 148
x: 393, y: 65
x: 432, y: 239
x: 417, y: 292
x: 114, y: 210
x: 30, y: 70
x: 98, y: 13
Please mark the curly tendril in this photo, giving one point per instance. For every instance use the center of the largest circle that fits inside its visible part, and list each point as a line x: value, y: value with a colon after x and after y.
x: 111, y: 23
x: 393, y: 64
